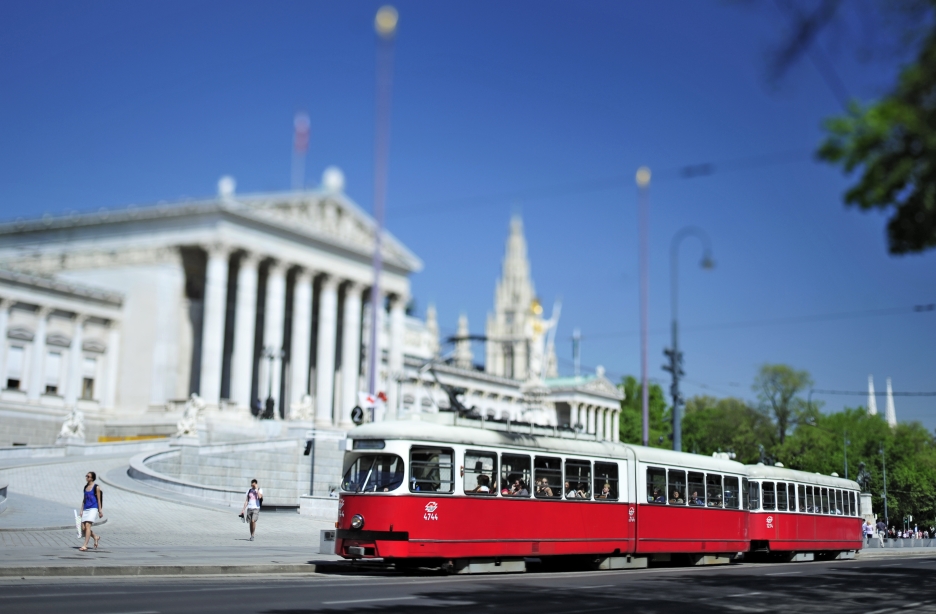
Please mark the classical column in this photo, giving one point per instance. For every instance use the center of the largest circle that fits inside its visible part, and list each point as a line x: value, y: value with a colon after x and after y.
x: 395, y: 354
x: 245, y: 322
x: 75, y: 355
x: 325, y: 357
x: 4, y: 321
x: 37, y: 374
x: 616, y: 425
x: 301, y: 336
x: 606, y: 431
x: 109, y: 399
x: 273, y: 315
x: 350, y: 352
x: 212, y: 346
x: 573, y: 415
x: 590, y: 423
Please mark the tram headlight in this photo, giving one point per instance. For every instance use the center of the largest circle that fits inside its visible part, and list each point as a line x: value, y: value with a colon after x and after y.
x: 357, y: 521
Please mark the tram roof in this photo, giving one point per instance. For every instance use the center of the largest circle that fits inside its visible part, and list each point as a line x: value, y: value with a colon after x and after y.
x: 473, y: 436
x: 794, y: 475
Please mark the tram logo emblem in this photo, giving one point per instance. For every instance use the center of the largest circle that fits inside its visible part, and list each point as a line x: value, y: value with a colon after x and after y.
x: 430, y: 514
x: 630, y: 512
x: 769, y: 522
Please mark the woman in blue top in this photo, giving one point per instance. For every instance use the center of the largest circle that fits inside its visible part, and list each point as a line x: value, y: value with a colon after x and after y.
x: 92, y: 508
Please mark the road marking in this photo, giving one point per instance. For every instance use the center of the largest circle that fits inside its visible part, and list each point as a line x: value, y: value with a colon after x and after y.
x: 600, y: 586
x: 893, y: 565
x: 880, y: 611
x: 783, y: 573
x: 743, y: 594
x: 369, y: 600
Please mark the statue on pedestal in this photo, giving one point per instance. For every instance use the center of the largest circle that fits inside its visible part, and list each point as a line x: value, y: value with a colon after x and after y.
x: 187, y: 426
x: 864, y: 478
x: 73, y: 428
x: 301, y: 410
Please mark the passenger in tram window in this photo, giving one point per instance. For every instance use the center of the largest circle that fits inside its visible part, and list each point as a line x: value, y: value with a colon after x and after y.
x: 484, y: 485
x: 518, y: 489
x: 569, y: 491
x: 582, y: 490
x: 713, y: 489
x: 543, y: 489
x: 605, y: 492
x: 677, y: 485
x: 695, y: 500
x: 656, y: 485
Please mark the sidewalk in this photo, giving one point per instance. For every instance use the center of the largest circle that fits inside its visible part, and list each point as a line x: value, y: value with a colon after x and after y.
x: 148, y: 530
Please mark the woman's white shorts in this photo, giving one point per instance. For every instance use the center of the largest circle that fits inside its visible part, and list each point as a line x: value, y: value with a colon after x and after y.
x: 89, y: 515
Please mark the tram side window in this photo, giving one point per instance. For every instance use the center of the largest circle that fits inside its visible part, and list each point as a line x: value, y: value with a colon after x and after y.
x: 606, y: 482
x: 791, y: 490
x: 696, y: 489
x: 515, y: 475
x: 432, y: 470
x: 810, y: 500
x: 754, y: 495
x: 854, y: 506
x: 480, y: 473
x: 825, y: 500
x: 547, y: 473
x: 676, y: 486
x: 577, y: 483
x: 801, y: 490
x: 713, y: 489
x: 781, y: 497
x: 745, y: 493
x: 656, y: 485
x: 770, y: 496
x: 847, y: 503
x: 838, y: 503
x: 732, y: 501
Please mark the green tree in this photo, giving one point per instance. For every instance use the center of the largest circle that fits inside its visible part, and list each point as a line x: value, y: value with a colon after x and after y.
x: 631, y: 428
x: 893, y: 142
x: 726, y: 425
x: 776, y: 387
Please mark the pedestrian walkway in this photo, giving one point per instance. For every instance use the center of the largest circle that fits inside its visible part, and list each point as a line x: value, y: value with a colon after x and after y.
x: 140, y: 529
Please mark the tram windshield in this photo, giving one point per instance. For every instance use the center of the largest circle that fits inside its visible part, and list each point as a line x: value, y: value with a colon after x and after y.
x: 374, y: 473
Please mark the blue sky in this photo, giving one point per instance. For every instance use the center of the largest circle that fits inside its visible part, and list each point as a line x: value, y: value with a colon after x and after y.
x: 547, y: 108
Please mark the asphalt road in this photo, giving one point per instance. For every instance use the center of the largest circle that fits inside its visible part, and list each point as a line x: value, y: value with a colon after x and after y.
x: 871, y: 587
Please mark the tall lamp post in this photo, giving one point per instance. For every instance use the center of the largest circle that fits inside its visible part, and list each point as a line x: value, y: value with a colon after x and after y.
x: 675, y: 356
x: 884, y: 467
x: 272, y: 354
x: 643, y: 220
x: 385, y: 24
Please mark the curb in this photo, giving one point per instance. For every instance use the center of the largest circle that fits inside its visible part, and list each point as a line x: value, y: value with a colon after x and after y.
x: 155, y: 570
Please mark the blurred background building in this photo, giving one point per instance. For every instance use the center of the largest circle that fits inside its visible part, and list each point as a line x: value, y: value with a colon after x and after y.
x: 259, y: 304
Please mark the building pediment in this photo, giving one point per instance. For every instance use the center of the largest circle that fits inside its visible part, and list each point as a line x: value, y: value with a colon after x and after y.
x: 327, y: 217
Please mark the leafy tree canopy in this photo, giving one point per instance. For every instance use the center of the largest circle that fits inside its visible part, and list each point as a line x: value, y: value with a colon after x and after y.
x: 661, y: 427
x: 777, y: 387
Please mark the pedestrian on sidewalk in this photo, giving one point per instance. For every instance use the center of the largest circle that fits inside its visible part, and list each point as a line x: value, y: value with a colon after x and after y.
x: 92, y: 508
x: 251, y: 509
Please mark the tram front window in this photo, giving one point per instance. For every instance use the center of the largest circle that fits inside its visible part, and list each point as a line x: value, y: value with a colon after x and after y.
x: 431, y: 469
x: 373, y: 473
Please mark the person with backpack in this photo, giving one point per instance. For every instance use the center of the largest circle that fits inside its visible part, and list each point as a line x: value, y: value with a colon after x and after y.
x: 251, y: 510
x: 92, y: 508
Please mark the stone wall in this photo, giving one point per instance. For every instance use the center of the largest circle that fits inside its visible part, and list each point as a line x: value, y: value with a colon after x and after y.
x: 39, y: 428
x: 279, y: 466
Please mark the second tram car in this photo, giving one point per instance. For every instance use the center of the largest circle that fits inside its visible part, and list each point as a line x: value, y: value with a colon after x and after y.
x: 416, y: 492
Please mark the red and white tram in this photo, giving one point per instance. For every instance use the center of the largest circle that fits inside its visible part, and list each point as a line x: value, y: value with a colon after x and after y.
x: 417, y: 492
x: 795, y: 511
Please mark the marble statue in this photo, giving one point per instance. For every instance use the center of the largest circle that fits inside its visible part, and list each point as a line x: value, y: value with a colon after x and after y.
x: 73, y: 427
x: 187, y: 426
x: 303, y: 409
x: 537, y: 331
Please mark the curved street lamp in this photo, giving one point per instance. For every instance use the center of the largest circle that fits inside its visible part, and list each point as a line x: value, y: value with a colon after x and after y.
x: 675, y: 356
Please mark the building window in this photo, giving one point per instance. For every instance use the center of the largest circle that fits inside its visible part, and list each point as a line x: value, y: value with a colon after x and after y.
x: 53, y: 369
x: 89, y: 370
x: 14, y: 373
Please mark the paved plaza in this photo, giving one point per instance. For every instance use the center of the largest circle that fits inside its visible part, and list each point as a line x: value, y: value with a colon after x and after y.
x: 145, y: 526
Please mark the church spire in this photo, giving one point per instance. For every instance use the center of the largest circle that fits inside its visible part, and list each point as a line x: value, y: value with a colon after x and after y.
x: 872, y: 400
x: 891, y: 412
x: 463, y: 355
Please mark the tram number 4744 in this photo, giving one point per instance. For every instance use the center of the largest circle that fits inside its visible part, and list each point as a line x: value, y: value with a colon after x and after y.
x: 431, y: 508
